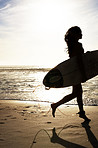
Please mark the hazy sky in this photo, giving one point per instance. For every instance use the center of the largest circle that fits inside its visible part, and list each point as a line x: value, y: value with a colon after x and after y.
x: 32, y: 31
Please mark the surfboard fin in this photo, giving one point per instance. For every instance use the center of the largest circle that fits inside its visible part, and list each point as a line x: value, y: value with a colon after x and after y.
x: 47, y: 88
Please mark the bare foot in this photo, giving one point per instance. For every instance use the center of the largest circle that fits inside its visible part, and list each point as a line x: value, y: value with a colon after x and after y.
x: 82, y: 115
x: 53, y: 109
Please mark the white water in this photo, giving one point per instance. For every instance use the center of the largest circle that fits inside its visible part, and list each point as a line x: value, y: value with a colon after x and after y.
x: 26, y: 84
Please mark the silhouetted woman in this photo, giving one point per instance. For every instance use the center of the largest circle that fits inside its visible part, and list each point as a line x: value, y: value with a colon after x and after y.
x: 74, y: 49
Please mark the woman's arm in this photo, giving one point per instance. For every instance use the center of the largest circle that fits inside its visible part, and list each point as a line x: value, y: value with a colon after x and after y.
x: 81, y: 67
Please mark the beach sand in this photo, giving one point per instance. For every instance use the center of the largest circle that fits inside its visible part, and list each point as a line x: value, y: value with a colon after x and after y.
x: 31, y: 125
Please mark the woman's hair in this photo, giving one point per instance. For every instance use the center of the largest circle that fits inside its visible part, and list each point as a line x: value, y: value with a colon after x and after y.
x: 72, y: 34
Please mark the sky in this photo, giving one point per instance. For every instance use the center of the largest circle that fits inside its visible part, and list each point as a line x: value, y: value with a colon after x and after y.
x: 32, y: 31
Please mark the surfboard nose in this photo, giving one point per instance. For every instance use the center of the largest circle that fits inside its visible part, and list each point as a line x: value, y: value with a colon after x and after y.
x: 45, y: 82
x: 53, y: 79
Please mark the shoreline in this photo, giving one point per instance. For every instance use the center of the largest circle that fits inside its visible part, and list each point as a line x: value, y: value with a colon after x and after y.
x: 43, y: 102
x: 30, y: 124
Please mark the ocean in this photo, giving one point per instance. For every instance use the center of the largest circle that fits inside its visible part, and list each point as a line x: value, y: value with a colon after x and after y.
x: 25, y: 84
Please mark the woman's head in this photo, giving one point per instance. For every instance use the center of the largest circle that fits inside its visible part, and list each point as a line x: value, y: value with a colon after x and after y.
x: 73, y: 34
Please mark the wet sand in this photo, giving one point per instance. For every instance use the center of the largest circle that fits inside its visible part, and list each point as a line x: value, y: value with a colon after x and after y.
x: 31, y: 125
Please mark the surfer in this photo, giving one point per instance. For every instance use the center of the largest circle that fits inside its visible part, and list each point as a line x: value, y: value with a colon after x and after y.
x: 75, y: 48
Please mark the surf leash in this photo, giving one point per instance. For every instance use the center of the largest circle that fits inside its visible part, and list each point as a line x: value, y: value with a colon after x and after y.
x: 34, y: 140
x: 47, y: 88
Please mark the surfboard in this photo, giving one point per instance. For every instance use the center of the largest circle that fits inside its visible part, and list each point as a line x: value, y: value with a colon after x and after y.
x: 68, y: 73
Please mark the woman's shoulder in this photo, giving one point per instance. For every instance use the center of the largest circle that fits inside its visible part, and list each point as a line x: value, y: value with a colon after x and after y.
x: 78, y: 49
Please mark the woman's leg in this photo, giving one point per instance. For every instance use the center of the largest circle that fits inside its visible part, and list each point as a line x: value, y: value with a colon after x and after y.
x: 80, y: 103
x: 78, y: 90
x: 62, y: 101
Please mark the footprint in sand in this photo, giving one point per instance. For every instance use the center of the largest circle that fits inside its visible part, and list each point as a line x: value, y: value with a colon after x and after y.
x: 28, y: 106
x: 9, y: 116
x: 48, y: 122
x: 13, y: 118
x: 1, y: 108
x: 4, y: 119
x: 1, y: 139
x: 15, y: 109
x: 2, y: 122
x: 24, y: 110
x: 32, y: 112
